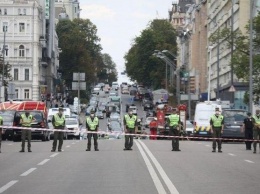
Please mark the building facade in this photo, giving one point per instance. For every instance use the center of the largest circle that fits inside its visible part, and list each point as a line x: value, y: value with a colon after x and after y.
x: 71, y: 6
x: 23, y: 24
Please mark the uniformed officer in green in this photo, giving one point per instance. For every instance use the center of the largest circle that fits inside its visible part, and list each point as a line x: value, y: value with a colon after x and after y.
x: 256, y: 130
x: 130, y: 126
x: 26, y: 120
x: 216, y: 128
x: 92, y: 124
x: 174, y: 124
x: 58, y: 122
x: 1, y: 123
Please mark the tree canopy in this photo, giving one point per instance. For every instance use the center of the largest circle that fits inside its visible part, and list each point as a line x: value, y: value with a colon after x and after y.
x: 141, y: 64
x: 81, y: 52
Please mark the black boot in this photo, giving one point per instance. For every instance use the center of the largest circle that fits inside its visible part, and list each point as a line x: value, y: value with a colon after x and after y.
x: 88, y: 149
x: 22, y: 150
x: 96, y: 148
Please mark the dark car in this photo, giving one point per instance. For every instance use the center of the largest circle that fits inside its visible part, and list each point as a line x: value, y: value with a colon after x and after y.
x: 40, y: 122
x: 8, y: 119
x: 148, y: 105
x: 233, y: 120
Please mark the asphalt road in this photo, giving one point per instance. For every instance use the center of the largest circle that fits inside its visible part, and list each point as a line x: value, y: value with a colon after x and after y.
x: 149, y: 169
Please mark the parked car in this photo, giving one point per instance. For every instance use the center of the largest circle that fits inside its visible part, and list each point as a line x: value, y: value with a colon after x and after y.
x: 73, y: 125
x: 115, y: 130
x: 40, y: 122
x: 100, y: 114
x: 148, y: 121
x: 8, y: 119
x: 189, y: 128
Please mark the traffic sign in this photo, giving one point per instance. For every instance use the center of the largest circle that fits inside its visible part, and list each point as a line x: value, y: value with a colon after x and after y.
x: 78, y: 85
x: 232, y: 89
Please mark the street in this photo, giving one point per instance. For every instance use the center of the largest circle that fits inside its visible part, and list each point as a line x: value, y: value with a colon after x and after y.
x: 150, y: 168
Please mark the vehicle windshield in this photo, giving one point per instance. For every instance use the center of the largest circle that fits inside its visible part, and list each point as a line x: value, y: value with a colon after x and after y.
x: 36, y: 114
x: 7, y: 117
x: 234, y: 115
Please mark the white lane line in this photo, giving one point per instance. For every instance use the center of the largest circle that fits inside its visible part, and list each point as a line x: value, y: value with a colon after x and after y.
x: 10, y: 144
x: 7, y: 186
x: 43, y: 162
x: 67, y: 146
x: 207, y: 145
x: 249, y: 161
x: 73, y: 143
x: 231, y: 154
x: 151, y: 170
x: 28, y: 171
x: 53, y: 155
x: 199, y: 143
x: 164, y: 176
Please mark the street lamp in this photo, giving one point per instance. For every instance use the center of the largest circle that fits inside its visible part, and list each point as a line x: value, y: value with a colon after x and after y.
x: 3, y: 69
x: 251, y: 58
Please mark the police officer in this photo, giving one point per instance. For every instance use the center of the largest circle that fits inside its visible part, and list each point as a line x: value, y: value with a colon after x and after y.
x: 130, y: 126
x: 58, y: 122
x: 247, y: 127
x: 92, y: 124
x: 216, y: 128
x: 1, y: 123
x: 256, y: 131
x: 174, y: 124
x: 26, y: 120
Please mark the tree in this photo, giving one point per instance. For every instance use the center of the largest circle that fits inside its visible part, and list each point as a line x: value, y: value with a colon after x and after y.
x: 109, y: 71
x: 240, y: 59
x: 141, y: 65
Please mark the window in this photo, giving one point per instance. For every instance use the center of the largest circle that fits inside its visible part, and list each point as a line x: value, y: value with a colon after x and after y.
x: 24, y: 11
x: 16, y: 93
x: 5, y: 26
x: 26, y: 93
x: 0, y: 12
x: 19, y: 11
x: 16, y: 74
x: 21, y: 51
x: 26, y: 74
x: 5, y: 11
x: 21, y: 27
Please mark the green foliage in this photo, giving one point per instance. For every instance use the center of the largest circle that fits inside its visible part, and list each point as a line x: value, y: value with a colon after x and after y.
x: 141, y: 65
x: 81, y: 52
x: 240, y: 59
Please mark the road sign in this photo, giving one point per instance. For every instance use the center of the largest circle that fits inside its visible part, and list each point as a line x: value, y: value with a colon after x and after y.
x: 79, y: 76
x: 232, y: 89
x: 79, y: 85
x: 192, y: 97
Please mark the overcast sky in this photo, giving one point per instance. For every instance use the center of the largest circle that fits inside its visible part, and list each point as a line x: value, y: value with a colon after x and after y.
x: 120, y: 21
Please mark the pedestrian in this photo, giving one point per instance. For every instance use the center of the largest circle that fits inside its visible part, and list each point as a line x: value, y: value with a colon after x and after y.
x: 58, y: 121
x: 247, y: 128
x: 26, y: 120
x: 1, y: 123
x: 174, y: 124
x: 92, y: 124
x: 153, y: 129
x: 256, y: 131
x: 130, y: 127
x: 216, y: 128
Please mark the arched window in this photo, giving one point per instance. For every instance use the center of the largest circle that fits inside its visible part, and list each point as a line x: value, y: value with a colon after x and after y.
x: 21, y: 51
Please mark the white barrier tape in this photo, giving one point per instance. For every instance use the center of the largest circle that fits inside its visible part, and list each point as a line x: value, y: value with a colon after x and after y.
x: 130, y: 134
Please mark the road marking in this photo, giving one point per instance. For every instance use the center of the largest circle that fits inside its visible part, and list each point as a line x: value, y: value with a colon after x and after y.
x: 151, y: 170
x: 231, y: 154
x: 73, y: 143
x: 28, y: 171
x: 207, y: 145
x: 10, y: 144
x: 67, y: 146
x: 164, y: 176
x: 249, y: 161
x: 7, y: 186
x: 43, y: 162
x: 53, y: 155
x: 199, y: 143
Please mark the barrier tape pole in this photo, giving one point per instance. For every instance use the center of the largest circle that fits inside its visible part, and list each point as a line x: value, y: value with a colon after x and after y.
x: 130, y: 134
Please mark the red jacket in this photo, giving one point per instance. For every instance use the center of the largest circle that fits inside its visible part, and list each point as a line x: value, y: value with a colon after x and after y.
x: 153, y: 124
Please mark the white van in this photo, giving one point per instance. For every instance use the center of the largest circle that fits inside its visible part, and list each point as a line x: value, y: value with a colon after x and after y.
x: 96, y: 91
x: 203, y: 113
x: 53, y: 111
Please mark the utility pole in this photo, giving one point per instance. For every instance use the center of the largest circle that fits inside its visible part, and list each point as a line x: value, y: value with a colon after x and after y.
x: 217, y: 96
x: 232, y: 50
x: 3, y: 52
x: 251, y: 58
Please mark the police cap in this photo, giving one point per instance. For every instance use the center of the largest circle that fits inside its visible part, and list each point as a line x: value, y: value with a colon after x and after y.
x: 60, y: 108
x: 216, y: 109
x: 249, y: 114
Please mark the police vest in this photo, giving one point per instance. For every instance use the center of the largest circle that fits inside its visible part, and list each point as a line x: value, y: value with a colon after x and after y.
x: 174, y: 120
x: 1, y: 120
x: 26, y: 121
x: 59, y: 121
x: 257, y: 119
x: 92, y: 124
x: 130, y: 121
x: 217, y: 121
